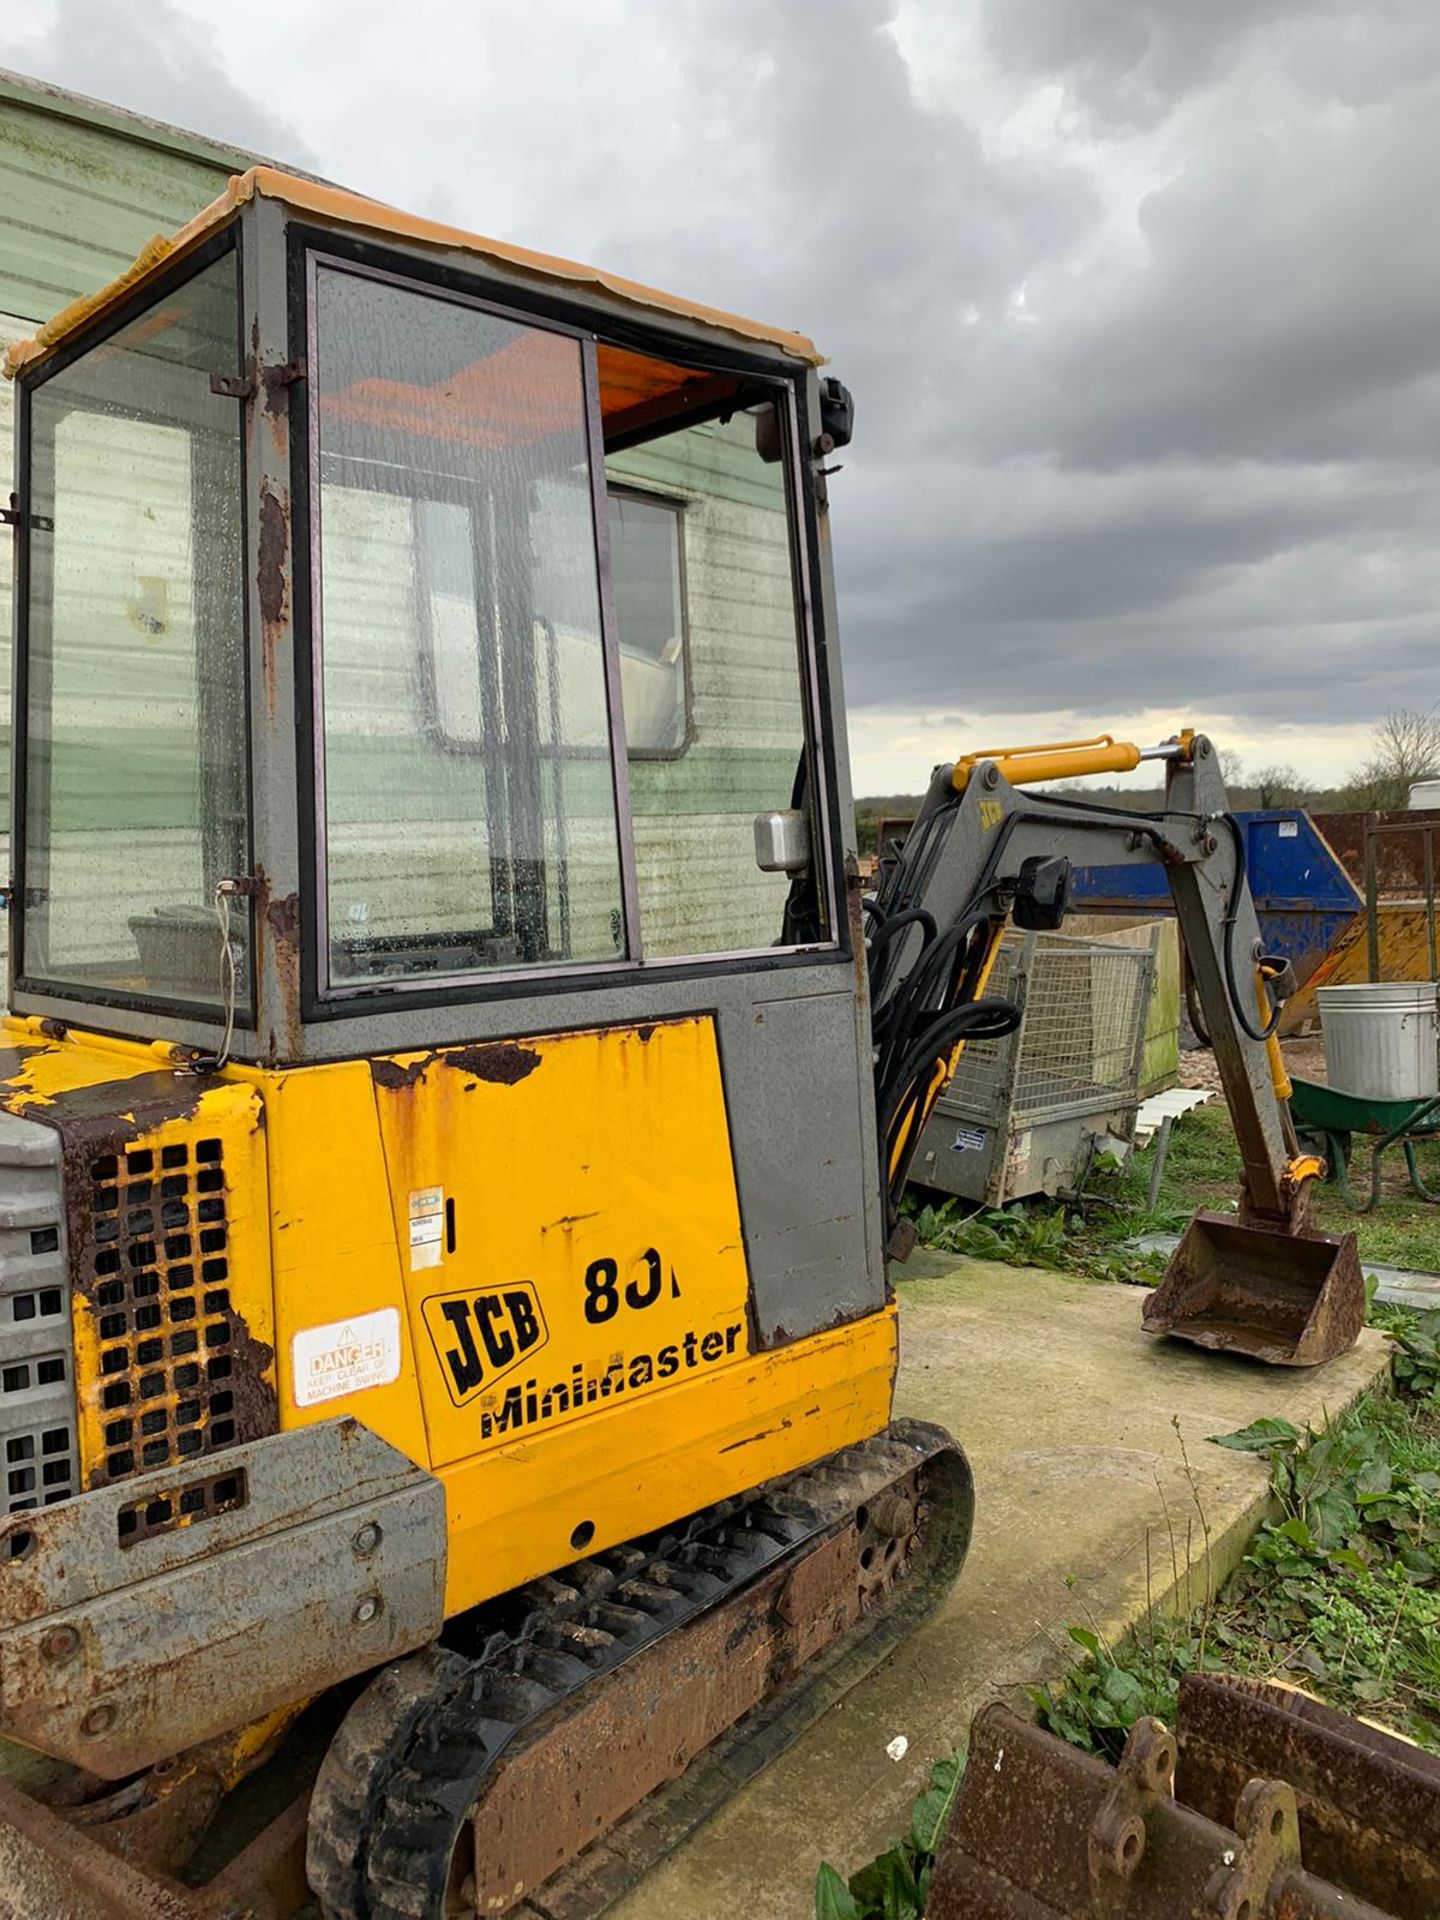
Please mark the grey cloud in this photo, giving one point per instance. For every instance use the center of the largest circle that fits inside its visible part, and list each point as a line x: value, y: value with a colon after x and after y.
x: 1284, y: 309
x: 154, y: 59
x: 1126, y: 63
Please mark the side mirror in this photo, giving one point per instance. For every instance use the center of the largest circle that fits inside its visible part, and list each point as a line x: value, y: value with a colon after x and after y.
x: 782, y: 841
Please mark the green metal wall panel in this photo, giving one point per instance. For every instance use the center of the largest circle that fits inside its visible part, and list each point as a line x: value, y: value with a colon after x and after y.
x: 78, y: 200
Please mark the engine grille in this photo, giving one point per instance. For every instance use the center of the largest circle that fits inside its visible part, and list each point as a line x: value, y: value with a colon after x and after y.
x: 166, y: 1329
x: 38, y: 1452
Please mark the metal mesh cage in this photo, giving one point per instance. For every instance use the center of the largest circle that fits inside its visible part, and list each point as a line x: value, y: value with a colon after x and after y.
x: 1080, y: 1042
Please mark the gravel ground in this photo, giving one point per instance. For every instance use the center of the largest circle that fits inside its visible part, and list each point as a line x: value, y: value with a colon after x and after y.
x: 1305, y: 1059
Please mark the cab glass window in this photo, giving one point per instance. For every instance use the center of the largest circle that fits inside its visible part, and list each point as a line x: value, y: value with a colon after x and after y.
x: 720, y: 496
x: 136, y: 794
x: 470, y: 809
x: 559, y: 668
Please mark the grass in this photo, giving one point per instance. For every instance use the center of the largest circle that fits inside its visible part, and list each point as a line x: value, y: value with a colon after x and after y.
x: 1093, y: 1237
x: 1339, y: 1594
x: 1202, y: 1169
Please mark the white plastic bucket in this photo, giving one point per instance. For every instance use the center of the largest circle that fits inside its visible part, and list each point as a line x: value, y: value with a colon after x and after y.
x: 1381, y: 1039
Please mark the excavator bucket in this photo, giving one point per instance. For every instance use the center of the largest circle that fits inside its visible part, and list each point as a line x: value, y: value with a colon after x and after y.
x: 1290, y: 1299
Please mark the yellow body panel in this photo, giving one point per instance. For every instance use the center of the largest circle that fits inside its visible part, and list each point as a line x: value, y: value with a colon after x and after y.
x: 520, y: 1263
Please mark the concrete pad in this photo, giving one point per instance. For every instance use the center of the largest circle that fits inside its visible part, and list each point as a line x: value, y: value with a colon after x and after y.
x: 1078, y: 1427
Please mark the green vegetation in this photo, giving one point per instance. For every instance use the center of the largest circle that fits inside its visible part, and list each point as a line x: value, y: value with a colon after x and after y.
x: 1202, y: 1169
x: 1045, y: 1235
x: 1340, y: 1595
x: 897, y: 1884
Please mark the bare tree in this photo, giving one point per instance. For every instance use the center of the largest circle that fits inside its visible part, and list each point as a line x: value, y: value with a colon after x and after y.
x: 1405, y: 747
x: 1232, y: 769
x: 1277, y: 786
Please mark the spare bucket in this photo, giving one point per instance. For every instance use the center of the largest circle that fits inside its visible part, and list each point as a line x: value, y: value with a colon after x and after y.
x: 1381, y: 1039
x: 1289, y: 1299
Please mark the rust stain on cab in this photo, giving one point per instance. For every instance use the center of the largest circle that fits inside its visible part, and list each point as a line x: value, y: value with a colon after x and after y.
x: 271, y: 580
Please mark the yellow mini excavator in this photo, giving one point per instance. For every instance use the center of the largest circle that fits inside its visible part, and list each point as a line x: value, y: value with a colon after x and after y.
x: 456, y: 1097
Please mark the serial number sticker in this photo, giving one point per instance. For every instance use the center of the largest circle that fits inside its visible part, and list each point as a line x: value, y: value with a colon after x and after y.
x: 1289, y: 829
x: 427, y: 1226
x: 968, y: 1140
x: 346, y: 1356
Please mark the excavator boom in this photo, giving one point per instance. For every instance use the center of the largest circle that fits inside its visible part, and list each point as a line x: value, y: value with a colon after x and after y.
x: 982, y: 852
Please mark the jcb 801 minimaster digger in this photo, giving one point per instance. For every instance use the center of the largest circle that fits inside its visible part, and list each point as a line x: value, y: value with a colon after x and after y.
x: 446, y: 1159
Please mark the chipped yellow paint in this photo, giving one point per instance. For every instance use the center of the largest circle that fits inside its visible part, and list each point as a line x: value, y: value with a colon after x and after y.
x: 567, y: 1343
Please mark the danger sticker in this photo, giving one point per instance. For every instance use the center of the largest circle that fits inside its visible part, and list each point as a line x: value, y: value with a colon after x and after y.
x: 427, y: 1226
x: 347, y: 1356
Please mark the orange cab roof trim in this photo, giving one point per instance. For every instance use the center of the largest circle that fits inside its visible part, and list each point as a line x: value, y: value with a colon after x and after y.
x: 334, y: 203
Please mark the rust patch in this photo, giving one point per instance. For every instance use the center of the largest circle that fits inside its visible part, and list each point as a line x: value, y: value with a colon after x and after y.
x: 644, y: 1033
x: 273, y: 554
x: 257, y: 1410
x: 395, y: 1077
x: 650, y: 1716
x: 12, y: 1063
x: 503, y: 1063
x: 278, y: 925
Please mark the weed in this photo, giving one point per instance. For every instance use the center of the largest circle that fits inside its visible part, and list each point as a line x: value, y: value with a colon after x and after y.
x: 1417, y: 1363
x: 896, y: 1886
x: 1042, y: 1235
x: 1341, y: 1594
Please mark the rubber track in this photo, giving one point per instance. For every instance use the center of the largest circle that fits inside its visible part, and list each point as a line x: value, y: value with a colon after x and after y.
x: 412, y: 1756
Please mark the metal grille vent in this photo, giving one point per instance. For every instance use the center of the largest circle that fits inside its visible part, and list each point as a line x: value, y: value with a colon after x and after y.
x: 166, y: 1328
x: 38, y: 1455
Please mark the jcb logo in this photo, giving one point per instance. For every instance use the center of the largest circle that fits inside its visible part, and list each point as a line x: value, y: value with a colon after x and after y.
x: 480, y: 1336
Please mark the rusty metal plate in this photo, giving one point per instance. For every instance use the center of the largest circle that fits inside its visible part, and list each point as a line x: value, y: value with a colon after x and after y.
x: 1042, y: 1831
x: 1369, y: 1803
x: 329, y: 1561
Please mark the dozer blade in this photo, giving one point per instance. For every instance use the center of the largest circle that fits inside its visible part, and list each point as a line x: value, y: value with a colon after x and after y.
x: 1290, y: 1299
x: 540, y: 1758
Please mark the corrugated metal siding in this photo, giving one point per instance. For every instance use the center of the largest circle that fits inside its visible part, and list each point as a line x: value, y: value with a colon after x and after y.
x: 77, y: 203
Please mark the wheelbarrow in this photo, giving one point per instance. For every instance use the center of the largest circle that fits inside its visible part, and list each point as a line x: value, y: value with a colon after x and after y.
x: 1330, y: 1120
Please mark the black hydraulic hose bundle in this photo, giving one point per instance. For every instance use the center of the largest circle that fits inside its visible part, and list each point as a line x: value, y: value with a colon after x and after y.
x: 933, y: 1006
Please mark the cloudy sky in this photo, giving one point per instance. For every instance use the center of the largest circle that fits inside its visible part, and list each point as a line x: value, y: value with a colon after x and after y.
x: 1140, y: 300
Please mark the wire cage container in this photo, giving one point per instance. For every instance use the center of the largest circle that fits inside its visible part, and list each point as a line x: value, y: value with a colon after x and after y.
x: 1025, y: 1115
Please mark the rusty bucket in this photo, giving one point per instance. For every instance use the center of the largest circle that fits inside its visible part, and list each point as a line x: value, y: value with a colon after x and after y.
x: 1290, y: 1299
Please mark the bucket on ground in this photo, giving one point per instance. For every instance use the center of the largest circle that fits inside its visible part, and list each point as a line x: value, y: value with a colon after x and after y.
x: 1290, y: 1299
x: 1381, y: 1039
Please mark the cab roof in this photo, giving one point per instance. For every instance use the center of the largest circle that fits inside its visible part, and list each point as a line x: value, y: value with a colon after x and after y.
x: 353, y: 209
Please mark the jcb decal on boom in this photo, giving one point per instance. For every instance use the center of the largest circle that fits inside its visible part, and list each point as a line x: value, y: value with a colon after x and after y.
x: 479, y: 1337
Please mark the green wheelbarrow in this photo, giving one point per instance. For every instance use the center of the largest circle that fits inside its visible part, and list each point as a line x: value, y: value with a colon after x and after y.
x: 1329, y: 1121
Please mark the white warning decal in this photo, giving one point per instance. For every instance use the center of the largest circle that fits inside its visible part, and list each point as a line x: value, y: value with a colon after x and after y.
x: 427, y: 1225
x: 346, y: 1356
